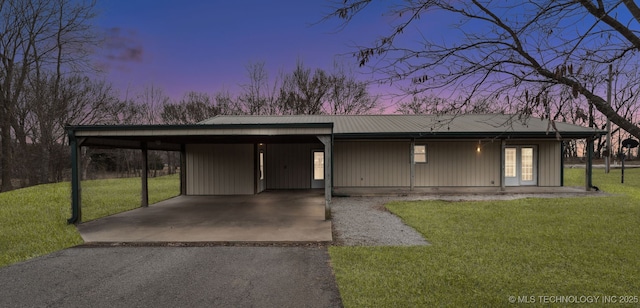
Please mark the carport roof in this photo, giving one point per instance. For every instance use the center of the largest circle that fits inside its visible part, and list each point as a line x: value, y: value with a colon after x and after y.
x: 305, y: 128
x: 425, y: 126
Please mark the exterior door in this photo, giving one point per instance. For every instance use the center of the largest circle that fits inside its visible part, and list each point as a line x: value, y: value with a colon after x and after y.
x: 317, y: 174
x: 520, y: 166
x: 261, y: 169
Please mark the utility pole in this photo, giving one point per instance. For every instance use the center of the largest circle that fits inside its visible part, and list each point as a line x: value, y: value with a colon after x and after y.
x: 607, y: 158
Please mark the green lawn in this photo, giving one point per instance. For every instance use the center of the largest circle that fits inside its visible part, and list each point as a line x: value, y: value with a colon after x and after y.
x: 484, y: 252
x: 33, y: 220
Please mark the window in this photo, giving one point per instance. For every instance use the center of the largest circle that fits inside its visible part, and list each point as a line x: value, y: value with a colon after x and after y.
x: 420, y: 153
x: 318, y: 166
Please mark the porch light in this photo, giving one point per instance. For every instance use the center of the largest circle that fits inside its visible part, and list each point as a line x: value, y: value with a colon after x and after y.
x: 478, y: 148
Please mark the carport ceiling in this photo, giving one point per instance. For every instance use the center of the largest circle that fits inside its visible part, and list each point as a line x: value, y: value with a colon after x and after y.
x: 172, y: 143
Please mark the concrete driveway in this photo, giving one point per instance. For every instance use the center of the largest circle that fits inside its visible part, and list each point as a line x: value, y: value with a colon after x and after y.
x: 272, y: 216
x: 173, y: 277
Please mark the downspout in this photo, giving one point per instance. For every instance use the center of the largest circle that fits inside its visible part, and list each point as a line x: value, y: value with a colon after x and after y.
x: 503, y: 145
x: 76, y: 209
x: 561, y: 163
x: 412, y: 169
x: 328, y: 176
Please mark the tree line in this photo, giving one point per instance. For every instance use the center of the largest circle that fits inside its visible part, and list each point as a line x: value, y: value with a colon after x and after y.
x: 37, y: 152
x: 536, y: 58
x: 45, y: 84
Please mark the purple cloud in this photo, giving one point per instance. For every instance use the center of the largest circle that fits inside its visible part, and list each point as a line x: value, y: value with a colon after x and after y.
x: 121, y: 46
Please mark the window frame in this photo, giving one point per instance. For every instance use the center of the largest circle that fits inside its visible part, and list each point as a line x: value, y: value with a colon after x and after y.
x: 426, y: 153
x: 315, y: 166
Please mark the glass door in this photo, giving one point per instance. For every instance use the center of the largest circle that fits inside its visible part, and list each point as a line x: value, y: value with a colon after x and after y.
x: 527, y: 166
x: 520, y: 166
x: 511, y: 167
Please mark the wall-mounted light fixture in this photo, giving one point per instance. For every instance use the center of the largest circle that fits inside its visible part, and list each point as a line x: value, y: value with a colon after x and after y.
x: 479, y: 147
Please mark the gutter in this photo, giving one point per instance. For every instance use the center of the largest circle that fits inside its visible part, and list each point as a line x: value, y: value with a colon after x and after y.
x: 468, y: 135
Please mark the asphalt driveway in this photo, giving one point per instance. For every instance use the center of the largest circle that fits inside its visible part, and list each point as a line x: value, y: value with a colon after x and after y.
x: 215, y: 276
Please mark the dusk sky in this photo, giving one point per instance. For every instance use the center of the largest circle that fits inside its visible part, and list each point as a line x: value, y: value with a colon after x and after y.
x: 205, y: 46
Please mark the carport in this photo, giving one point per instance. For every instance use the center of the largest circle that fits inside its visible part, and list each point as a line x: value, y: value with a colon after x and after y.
x: 233, y: 156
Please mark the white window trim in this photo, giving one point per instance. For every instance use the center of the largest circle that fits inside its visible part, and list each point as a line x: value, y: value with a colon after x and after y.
x: 426, y: 154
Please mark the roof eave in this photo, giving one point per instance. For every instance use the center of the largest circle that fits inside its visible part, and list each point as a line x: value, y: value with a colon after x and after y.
x: 193, y: 126
x: 470, y: 135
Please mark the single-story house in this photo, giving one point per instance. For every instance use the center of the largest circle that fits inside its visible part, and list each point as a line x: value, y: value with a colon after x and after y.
x: 229, y: 155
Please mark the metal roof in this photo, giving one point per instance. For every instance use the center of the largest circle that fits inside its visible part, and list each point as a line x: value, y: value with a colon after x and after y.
x: 473, y: 125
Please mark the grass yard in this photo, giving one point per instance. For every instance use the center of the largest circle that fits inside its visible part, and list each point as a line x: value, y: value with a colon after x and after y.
x: 484, y: 252
x: 33, y: 220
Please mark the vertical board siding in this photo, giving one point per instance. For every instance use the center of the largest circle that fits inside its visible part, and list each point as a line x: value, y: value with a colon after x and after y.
x: 227, y: 169
x: 459, y: 164
x: 220, y: 169
x: 549, y: 163
x: 369, y: 164
x: 289, y: 166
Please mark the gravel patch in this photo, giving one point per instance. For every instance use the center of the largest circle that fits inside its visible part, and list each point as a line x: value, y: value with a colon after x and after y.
x: 364, y: 221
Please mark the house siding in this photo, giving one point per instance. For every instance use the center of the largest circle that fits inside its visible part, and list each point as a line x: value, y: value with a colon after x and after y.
x: 288, y: 166
x: 369, y: 164
x: 228, y: 169
x: 459, y: 164
x: 449, y: 163
x: 549, y: 157
x: 220, y: 169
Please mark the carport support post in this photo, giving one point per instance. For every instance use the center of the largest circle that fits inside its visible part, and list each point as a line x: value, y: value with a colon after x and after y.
x: 589, y: 166
x: 183, y: 169
x: 76, y: 193
x: 328, y: 150
x: 144, y: 194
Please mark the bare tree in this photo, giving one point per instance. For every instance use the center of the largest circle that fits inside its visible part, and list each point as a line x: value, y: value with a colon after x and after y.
x: 37, y: 36
x: 193, y: 108
x: 259, y: 96
x: 504, y: 49
x: 347, y: 95
x: 53, y: 103
x: 431, y: 104
x: 226, y: 103
x: 152, y: 101
x: 304, y: 92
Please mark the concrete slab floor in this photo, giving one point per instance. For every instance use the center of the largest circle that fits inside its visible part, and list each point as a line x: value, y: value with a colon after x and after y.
x: 272, y: 216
